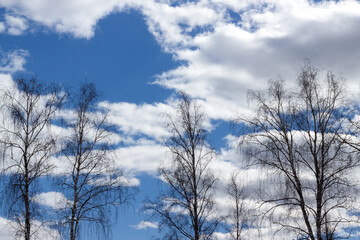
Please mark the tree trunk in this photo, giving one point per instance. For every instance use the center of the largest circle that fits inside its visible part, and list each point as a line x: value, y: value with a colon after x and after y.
x: 27, y: 211
x: 27, y: 198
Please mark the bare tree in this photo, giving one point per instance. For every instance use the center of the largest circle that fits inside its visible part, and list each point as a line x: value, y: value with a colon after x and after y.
x: 186, y: 208
x: 27, y: 145
x: 238, y: 217
x: 91, y: 184
x: 300, y: 136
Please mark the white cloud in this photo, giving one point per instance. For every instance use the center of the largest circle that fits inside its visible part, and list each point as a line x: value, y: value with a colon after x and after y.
x: 144, y: 156
x: 54, y: 200
x: 2, y: 27
x: 78, y: 18
x: 224, y: 63
x: 129, y: 181
x: 39, y: 231
x: 133, y: 119
x: 13, y: 61
x: 16, y: 25
x: 172, y: 25
x: 6, y: 81
x: 121, y: 180
x: 7, y: 232
x: 145, y: 225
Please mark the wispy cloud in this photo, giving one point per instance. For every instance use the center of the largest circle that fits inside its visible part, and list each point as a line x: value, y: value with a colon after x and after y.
x: 15, y: 25
x: 145, y: 225
x: 13, y: 61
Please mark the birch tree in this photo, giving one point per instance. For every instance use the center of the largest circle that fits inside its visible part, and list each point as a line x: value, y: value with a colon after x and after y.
x: 186, y: 208
x: 27, y: 143
x: 93, y: 186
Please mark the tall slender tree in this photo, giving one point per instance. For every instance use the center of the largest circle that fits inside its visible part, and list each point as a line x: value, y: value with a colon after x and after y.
x: 91, y: 183
x: 186, y: 208
x: 29, y: 107
x: 239, y: 216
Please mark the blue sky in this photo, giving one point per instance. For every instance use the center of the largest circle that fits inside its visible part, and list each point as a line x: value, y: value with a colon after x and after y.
x: 139, y: 53
x: 121, y: 62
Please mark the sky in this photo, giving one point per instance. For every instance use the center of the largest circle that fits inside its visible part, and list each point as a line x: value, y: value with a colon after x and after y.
x: 140, y: 53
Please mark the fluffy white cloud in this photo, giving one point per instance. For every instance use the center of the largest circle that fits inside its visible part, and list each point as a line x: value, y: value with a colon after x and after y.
x: 144, y: 156
x: 173, y: 25
x: 272, y: 37
x: 133, y: 119
x: 75, y: 17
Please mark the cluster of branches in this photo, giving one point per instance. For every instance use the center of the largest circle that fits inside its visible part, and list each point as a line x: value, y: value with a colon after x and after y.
x: 302, y: 135
x: 186, y: 207
x: 89, y: 182
x: 92, y: 184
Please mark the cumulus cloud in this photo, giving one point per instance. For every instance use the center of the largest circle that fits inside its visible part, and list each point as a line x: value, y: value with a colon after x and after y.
x: 273, y: 37
x: 78, y: 18
x: 143, y: 119
x: 144, y: 156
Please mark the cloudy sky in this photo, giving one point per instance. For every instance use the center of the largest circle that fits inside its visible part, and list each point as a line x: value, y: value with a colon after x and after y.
x: 139, y: 53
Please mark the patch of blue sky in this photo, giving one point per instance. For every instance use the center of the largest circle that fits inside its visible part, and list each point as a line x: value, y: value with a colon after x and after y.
x: 240, y: 128
x: 354, y: 231
x: 234, y: 17
x: 197, y: 30
x: 2, y: 14
x: 237, y: 17
x: 176, y: 3
x: 122, y: 63
x: 217, y: 135
x: 131, y: 215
